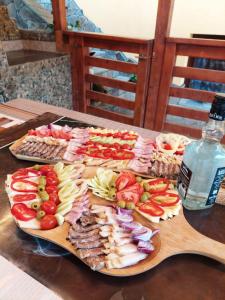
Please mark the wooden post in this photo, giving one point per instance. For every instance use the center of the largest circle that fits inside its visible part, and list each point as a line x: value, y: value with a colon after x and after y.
x: 163, y: 24
x: 60, y: 23
x: 143, y: 71
x: 78, y: 71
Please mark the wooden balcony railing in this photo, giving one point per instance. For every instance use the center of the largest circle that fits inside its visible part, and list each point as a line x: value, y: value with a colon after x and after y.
x: 212, y: 49
x: 79, y: 44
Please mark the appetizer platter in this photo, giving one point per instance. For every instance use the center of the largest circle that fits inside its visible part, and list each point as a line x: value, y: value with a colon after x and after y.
x: 107, y: 148
x: 54, y: 199
x: 70, y: 206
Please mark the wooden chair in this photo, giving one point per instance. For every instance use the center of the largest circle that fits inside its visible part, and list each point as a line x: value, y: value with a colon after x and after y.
x: 212, y: 49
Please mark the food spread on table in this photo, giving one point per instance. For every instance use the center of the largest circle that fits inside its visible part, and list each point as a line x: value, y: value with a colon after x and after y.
x: 155, y: 199
x: 107, y: 148
x: 41, y: 196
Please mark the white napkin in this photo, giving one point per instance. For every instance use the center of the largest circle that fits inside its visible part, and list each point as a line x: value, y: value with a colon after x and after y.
x: 18, y: 285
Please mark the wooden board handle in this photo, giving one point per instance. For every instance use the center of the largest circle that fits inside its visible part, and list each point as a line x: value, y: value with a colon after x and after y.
x: 209, y: 247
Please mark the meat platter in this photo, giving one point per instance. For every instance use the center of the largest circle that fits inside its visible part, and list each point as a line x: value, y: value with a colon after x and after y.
x: 75, y: 207
x: 103, y: 147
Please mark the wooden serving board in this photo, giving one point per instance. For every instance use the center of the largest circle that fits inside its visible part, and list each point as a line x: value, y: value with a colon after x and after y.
x: 176, y: 236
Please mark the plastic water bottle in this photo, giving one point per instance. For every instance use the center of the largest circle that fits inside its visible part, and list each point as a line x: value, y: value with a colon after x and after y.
x: 203, y: 167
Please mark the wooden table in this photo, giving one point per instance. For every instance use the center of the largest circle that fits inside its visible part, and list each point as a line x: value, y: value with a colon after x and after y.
x: 180, y: 277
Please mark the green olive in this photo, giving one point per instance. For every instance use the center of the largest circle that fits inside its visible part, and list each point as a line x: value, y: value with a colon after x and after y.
x: 41, y: 188
x: 40, y: 214
x: 145, y: 197
x: 35, y: 205
x: 112, y: 193
x: 146, y: 186
x: 44, y: 196
x: 139, y: 179
x: 121, y: 204
x: 42, y: 180
x: 36, y: 167
x: 130, y: 205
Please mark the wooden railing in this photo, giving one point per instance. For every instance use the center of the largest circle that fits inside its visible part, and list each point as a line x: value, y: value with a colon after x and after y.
x: 79, y: 44
x: 212, y: 49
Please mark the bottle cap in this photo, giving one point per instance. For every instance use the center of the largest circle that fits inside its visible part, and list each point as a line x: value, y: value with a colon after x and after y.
x: 217, y: 111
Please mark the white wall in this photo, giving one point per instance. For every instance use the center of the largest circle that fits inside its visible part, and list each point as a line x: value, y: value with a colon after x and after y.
x: 136, y: 18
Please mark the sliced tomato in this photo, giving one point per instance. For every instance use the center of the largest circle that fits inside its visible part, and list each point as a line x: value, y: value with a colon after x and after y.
x: 27, y: 183
x: 48, y: 222
x: 126, y: 146
x: 180, y: 152
x: 32, y: 132
x: 24, y: 197
x: 22, y: 212
x: 51, y: 189
x: 49, y: 207
x: 126, y: 195
x: 137, y: 188
x: 167, y: 146
x: 159, y: 185
x: 129, y: 136
x: 107, y: 153
x: 151, y: 209
x: 165, y: 199
x: 45, y: 169
x: 124, y: 180
x: 54, y: 197
x: 81, y: 150
x: 51, y: 181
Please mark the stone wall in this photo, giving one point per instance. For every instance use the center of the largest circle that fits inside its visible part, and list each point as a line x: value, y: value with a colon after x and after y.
x: 8, y: 28
x: 29, y: 14
x: 48, y: 81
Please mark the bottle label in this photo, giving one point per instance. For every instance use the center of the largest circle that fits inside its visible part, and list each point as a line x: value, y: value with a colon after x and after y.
x: 220, y: 173
x: 183, y: 180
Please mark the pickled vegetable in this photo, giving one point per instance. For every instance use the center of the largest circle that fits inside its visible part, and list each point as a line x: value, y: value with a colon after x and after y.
x: 121, y: 204
x: 130, y: 205
x: 35, y: 205
x: 41, y: 188
x: 36, y: 167
x: 139, y: 179
x: 40, y: 214
x: 145, y: 197
x: 42, y: 180
x: 44, y: 196
x: 146, y: 186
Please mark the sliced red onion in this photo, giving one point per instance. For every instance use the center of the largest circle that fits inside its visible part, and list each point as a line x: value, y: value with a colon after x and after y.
x: 154, y: 232
x: 139, y: 231
x: 145, y: 247
x: 131, y: 226
x: 123, y: 211
x: 124, y: 218
x: 142, y: 235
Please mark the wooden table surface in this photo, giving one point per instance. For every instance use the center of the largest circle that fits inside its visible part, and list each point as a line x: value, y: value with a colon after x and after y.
x: 183, y: 276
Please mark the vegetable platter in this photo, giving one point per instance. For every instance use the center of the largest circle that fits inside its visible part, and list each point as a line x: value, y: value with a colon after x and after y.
x: 146, y: 246
x: 108, y: 148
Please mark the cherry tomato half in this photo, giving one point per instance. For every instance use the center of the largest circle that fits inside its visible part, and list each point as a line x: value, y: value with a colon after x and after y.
x: 51, y: 189
x: 49, y: 207
x: 45, y: 169
x: 48, y: 222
